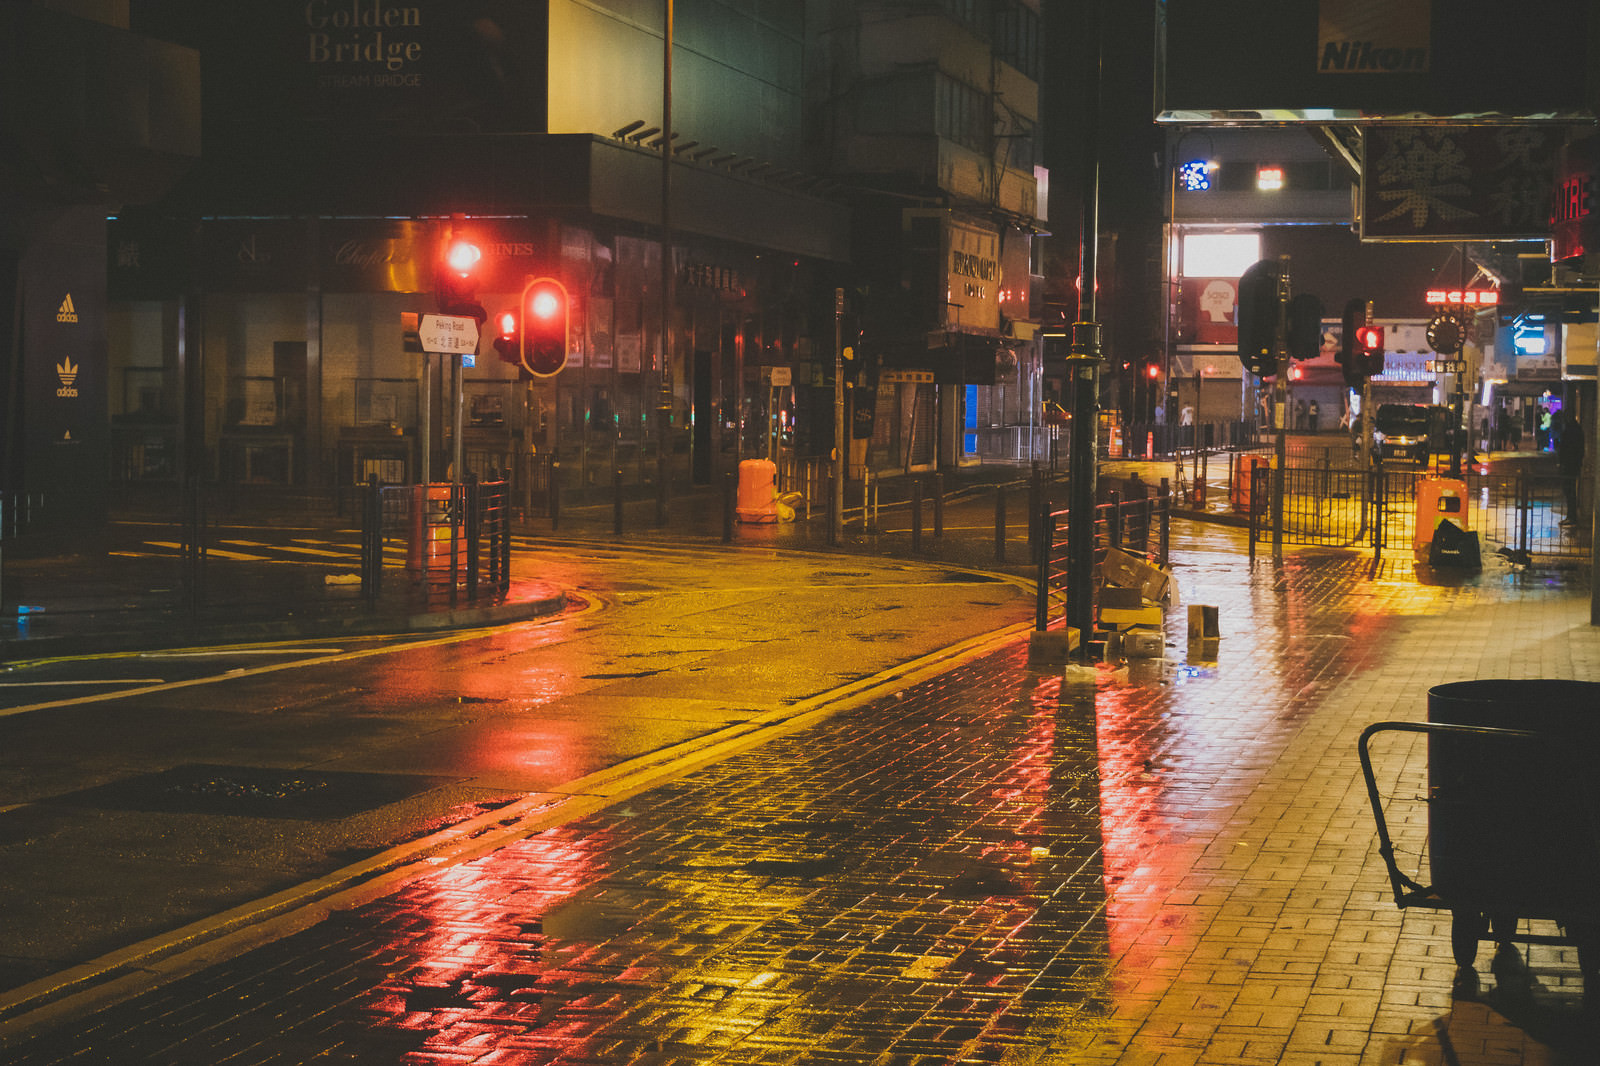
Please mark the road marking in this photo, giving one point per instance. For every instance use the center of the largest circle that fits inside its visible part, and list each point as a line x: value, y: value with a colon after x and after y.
x: 93, y: 681
x: 217, y: 553
x: 454, y: 637
x: 221, y: 653
x: 290, y: 548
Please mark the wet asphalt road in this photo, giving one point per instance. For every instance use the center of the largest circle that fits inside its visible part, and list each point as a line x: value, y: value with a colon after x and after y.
x: 221, y: 776
x: 982, y: 863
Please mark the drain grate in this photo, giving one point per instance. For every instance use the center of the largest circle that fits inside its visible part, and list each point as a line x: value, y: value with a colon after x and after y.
x: 252, y: 791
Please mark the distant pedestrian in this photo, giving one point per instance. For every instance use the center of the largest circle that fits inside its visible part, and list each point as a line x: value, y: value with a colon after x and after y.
x: 1136, y: 528
x: 1186, y: 425
x: 1312, y: 414
x: 1300, y: 414
x: 1569, y: 462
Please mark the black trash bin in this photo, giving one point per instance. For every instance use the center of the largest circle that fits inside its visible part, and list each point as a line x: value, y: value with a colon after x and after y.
x: 1512, y: 819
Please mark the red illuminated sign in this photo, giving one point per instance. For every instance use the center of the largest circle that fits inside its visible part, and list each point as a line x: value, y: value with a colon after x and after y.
x: 1574, y: 222
x: 1460, y: 298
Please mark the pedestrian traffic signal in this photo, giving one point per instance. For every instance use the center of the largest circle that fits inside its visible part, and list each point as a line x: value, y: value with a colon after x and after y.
x: 1370, y: 340
x: 546, y: 316
x: 1257, y: 318
x: 456, y: 279
x: 508, y: 337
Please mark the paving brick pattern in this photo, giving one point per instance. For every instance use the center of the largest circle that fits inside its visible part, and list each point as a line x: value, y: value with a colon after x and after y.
x: 1176, y: 866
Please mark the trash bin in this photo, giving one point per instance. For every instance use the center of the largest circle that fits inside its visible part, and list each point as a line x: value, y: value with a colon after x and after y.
x: 435, y: 524
x: 758, y: 493
x: 1243, y: 471
x: 1512, y: 820
x: 1438, y: 499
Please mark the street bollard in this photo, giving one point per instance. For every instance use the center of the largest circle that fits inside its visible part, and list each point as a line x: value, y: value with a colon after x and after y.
x: 616, y: 503
x: 1000, y: 524
x: 1164, y: 500
x: 833, y: 526
x: 553, y: 493
x: 473, y: 504
x: 916, y: 514
x: 728, y: 494
x: 938, y: 506
x: 1035, y: 499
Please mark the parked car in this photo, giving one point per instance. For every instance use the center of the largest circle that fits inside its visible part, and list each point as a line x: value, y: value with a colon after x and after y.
x: 1410, y: 432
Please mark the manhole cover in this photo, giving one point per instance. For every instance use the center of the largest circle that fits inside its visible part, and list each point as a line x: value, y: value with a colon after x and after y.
x: 253, y: 791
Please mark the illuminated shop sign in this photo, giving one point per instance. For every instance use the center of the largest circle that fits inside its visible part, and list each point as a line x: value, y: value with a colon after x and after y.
x: 1463, y: 297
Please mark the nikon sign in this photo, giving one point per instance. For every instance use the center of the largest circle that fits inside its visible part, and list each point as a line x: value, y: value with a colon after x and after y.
x: 1378, y: 61
x: 1373, y: 36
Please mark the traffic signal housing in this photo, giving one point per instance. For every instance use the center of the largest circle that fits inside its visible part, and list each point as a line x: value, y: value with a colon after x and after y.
x: 1258, y: 318
x: 1305, y: 326
x: 456, y: 279
x: 508, y: 337
x: 546, y: 314
x: 1369, y: 339
x: 1352, y: 362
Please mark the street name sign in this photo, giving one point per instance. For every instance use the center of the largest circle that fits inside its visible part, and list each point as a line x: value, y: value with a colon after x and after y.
x: 448, y: 334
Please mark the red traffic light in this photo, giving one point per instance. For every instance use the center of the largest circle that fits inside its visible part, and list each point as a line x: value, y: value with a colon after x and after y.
x: 1370, y: 338
x: 462, y: 255
x: 456, y: 279
x: 546, y: 315
x: 508, y: 337
x: 1152, y: 371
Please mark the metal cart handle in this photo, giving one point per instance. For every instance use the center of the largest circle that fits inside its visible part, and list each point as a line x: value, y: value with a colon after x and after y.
x: 1407, y: 892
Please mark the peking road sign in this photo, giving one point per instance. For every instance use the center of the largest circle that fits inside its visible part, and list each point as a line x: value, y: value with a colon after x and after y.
x: 448, y: 334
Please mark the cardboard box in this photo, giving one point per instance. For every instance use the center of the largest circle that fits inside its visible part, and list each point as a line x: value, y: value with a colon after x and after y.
x: 1125, y: 618
x: 1114, y: 597
x: 1143, y: 644
x: 1123, y: 570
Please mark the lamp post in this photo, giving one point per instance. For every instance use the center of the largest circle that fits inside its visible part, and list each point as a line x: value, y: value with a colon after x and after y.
x: 1083, y: 370
x: 664, y: 403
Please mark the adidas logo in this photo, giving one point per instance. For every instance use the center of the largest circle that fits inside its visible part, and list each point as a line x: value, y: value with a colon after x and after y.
x: 69, y: 375
x: 66, y: 312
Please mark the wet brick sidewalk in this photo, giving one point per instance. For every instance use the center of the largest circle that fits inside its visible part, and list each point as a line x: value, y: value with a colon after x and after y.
x: 1177, y: 868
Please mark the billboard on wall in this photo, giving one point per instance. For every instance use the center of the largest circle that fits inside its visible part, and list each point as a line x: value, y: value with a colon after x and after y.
x: 361, y: 66
x: 1368, y: 61
x: 1207, y: 310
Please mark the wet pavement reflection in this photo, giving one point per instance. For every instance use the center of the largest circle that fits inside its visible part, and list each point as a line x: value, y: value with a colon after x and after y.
x: 1170, y: 865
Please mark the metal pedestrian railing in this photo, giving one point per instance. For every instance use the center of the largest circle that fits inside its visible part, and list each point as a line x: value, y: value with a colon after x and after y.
x: 1525, y: 514
x: 457, y: 536
x: 1140, y: 526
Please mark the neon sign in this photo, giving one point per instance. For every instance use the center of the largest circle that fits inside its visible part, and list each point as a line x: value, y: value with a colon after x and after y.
x: 1463, y: 297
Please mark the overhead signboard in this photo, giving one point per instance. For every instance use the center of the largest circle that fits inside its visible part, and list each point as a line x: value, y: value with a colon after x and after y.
x: 1455, y: 183
x: 1377, y: 61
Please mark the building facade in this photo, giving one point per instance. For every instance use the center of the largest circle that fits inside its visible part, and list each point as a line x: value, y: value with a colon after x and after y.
x: 928, y: 110
x: 255, y: 313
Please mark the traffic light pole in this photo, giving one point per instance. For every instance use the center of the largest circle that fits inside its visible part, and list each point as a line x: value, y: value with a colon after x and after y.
x: 456, y: 386
x: 1083, y: 387
x: 1280, y: 407
x: 836, y: 520
x: 427, y: 418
